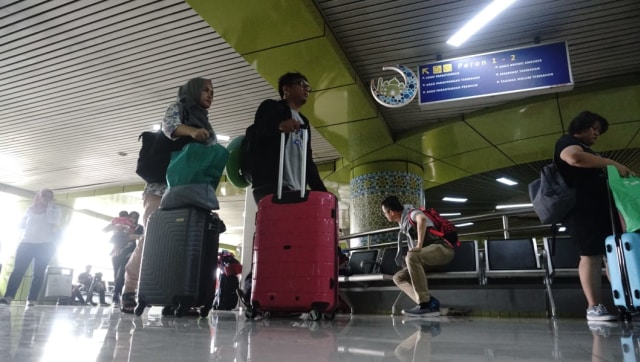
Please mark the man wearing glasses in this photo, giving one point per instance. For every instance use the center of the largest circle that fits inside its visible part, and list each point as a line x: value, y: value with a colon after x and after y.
x: 261, y: 157
x: 273, y: 118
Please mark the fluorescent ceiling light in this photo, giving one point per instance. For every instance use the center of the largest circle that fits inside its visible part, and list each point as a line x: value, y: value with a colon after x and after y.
x: 477, y: 22
x: 506, y: 181
x: 463, y: 224
x: 512, y: 206
x: 156, y: 127
x: 222, y: 138
x: 454, y: 199
x: 450, y: 214
x: 562, y: 229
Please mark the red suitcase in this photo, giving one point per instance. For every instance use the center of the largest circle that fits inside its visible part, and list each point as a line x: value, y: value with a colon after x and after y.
x: 295, y: 259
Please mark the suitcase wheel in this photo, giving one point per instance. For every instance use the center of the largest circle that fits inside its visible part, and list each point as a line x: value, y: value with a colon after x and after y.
x: 330, y: 316
x: 179, y: 311
x: 315, y: 315
x: 204, y: 312
x: 250, y: 313
x: 167, y: 310
x: 625, y: 315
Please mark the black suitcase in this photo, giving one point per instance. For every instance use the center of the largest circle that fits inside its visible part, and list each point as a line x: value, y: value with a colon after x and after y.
x: 179, y: 261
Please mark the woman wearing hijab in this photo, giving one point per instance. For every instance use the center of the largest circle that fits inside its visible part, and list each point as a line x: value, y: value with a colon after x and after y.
x: 40, y: 223
x: 185, y: 119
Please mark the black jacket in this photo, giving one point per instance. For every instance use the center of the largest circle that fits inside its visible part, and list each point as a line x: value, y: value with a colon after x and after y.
x: 266, y: 158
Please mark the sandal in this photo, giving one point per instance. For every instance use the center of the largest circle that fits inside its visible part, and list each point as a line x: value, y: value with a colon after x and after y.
x: 128, y: 303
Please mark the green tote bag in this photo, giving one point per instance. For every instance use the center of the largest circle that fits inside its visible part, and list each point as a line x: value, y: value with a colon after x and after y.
x: 197, y: 164
x: 626, y: 193
x: 193, y: 176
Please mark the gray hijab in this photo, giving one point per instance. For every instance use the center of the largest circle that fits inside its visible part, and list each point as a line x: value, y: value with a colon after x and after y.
x: 191, y: 112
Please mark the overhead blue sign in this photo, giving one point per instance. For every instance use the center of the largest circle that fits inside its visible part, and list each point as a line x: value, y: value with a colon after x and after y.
x: 506, y: 74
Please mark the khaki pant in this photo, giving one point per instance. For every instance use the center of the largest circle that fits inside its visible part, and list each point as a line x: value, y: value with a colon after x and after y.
x: 151, y: 203
x: 412, y: 280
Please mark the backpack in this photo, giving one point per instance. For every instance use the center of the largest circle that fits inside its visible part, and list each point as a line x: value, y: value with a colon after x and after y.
x: 550, y: 195
x: 155, y: 154
x: 226, y: 297
x: 247, y: 150
x: 442, y: 227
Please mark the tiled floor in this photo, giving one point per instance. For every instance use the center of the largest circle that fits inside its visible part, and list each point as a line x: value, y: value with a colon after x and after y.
x: 49, y: 333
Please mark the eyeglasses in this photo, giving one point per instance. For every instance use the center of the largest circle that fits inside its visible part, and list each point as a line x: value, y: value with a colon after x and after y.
x: 303, y: 85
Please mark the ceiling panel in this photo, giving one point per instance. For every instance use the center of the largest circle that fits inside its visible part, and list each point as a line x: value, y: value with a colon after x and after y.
x: 534, y: 117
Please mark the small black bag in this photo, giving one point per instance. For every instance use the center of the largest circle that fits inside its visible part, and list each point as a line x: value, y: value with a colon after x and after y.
x: 155, y: 155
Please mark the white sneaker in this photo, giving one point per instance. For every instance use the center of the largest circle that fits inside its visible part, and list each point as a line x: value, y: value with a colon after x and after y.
x: 599, y: 313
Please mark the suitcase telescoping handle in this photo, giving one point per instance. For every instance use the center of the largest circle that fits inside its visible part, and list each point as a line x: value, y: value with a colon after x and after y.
x: 616, y: 226
x: 303, y: 164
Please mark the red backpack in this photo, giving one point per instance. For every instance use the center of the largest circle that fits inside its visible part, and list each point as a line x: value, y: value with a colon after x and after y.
x: 442, y: 228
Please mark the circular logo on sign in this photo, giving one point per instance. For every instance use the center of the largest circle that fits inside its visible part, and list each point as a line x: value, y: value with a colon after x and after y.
x: 395, y: 93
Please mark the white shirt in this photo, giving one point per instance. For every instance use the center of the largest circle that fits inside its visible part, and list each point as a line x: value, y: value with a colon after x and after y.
x: 293, y: 157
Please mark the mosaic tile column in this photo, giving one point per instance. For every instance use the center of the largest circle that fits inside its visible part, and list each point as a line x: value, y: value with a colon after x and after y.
x: 370, y: 185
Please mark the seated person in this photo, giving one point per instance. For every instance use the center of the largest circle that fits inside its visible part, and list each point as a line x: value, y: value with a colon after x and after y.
x: 89, y: 284
x: 343, y: 263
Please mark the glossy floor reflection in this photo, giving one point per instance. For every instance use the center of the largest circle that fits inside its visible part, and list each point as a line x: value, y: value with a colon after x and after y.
x: 49, y: 333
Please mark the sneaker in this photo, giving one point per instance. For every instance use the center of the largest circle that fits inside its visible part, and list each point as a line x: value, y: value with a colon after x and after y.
x: 31, y: 303
x: 432, y: 310
x: 434, y: 303
x: 599, y: 313
x: 6, y: 300
x: 115, y: 299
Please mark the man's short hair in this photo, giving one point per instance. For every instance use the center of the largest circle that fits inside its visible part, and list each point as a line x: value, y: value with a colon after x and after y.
x: 289, y: 79
x: 392, y: 203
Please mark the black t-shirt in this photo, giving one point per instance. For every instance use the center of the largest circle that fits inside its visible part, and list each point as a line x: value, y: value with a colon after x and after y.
x: 589, y: 223
x: 585, y: 180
